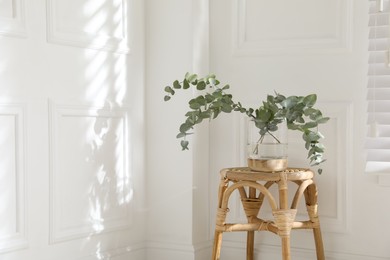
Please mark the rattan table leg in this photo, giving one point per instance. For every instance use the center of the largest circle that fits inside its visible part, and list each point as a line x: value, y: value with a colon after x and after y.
x: 311, y: 196
x: 217, y: 245
x: 286, y: 248
x: 250, y: 241
x: 318, y: 243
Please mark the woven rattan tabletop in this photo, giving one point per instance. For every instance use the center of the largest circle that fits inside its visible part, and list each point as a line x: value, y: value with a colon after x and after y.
x: 245, y: 173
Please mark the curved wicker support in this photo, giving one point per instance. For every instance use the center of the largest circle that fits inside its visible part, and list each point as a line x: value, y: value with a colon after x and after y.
x: 298, y: 194
x: 250, y: 184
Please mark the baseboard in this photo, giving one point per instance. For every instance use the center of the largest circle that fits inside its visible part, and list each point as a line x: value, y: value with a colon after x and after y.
x: 169, y: 251
x: 178, y: 251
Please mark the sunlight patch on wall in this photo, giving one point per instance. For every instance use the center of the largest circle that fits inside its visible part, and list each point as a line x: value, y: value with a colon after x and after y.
x: 89, y: 145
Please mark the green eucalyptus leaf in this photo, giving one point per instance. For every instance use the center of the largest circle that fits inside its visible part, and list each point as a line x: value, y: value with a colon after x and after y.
x: 310, y: 111
x: 318, y: 149
x: 186, y: 84
x: 279, y: 98
x: 201, y: 100
x: 289, y: 102
x: 185, y: 127
x: 198, y: 120
x: 211, y: 81
x: 226, y: 108
x: 211, y: 76
x: 217, y: 93
x: 310, y: 100
x: 184, y: 145
x: 192, y: 113
x: 323, y: 120
x: 176, y: 84
x: 216, y: 112
x: 264, y: 115
x: 191, y: 77
x: 293, y: 126
x: 205, y: 114
x: 181, y: 135
x: 313, y: 136
x: 310, y: 125
x: 201, y: 85
x: 169, y: 90
x: 300, y: 119
x: 209, y: 98
x: 194, y: 104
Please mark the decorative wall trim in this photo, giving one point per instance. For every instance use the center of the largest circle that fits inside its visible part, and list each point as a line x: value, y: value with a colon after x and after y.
x: 14, y: 24
x: 58, y: 35
x: 339, y: 41
x: 341, y: 114
x: 18, y: 239
x: 84, y: 228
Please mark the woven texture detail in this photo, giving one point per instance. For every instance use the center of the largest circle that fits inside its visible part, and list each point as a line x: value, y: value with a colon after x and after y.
x: 251, y: 207
x: 284, y: 219
x: 312, y: 211
x: 221, y: 216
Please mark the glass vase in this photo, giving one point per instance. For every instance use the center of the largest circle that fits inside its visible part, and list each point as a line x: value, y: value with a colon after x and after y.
x: 268, y: 152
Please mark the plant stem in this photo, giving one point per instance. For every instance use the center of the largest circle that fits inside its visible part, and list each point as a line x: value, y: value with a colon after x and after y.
x: 260, y: 141
x: 274, y: 137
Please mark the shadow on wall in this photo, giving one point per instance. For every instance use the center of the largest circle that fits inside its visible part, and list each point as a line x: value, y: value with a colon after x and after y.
x: 110, y: 193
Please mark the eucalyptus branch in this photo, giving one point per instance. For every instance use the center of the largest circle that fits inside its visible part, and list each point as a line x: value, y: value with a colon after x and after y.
x: 298, y: 111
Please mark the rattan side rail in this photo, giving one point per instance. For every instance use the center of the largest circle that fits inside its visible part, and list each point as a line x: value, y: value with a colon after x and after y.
x: 284, y: 216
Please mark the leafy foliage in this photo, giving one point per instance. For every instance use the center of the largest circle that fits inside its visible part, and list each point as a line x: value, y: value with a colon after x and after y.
x: 298, y: 111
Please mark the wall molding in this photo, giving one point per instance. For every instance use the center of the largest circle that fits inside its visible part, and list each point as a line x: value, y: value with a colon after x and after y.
x: 59, y: 233
x: 339, y: 41
x: 172, y: 249
x: 14, y: 24
x: 18, y: 239
x: 58, y: 35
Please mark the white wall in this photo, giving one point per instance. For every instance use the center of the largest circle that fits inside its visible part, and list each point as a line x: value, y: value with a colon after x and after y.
x: 72, y: 130
x: 169, y: 171
x: 177, y: 42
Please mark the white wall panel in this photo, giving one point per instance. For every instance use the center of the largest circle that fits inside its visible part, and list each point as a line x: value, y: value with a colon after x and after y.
x: 90, y: 188
x: 12, y: 18
x: 13, y: 233
x: 92, y: 24
x: 276, y: 27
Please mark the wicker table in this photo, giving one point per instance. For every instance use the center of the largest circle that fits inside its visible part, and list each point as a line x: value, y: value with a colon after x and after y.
x: 284, y: 217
